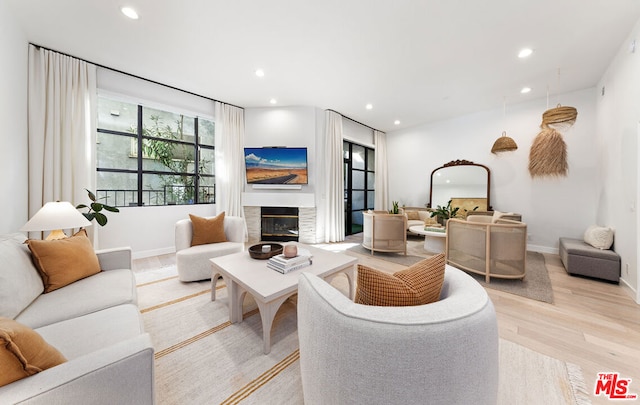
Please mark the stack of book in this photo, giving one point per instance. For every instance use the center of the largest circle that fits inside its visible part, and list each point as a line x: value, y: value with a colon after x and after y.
x: 284, y: 265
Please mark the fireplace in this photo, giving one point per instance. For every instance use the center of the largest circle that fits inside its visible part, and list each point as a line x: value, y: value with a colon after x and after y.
x: 279, y: 224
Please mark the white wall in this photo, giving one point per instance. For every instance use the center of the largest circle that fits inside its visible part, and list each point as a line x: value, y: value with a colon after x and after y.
x: 283, y: 126
x: 357, y: 133
x: 551, y: 207
x: 295, y: 126
x: 149, y: 231
x: 13, y: 115
x: 617, y: 142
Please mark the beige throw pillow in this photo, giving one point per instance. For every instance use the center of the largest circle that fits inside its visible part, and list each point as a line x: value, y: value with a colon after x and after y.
x: 412, y: 215
x: 599, y: 237
x: 418, y: 284
x: 207, y: 230
x: 64, y: 261
x: 23, y: 352
x: 498, y: 215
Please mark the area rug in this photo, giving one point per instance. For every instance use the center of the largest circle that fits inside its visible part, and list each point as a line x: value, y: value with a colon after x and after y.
x: 393, y: 257
x: 201, y: 358
x: 536, y: 284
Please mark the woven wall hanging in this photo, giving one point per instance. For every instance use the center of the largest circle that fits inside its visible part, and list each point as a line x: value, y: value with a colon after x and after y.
x: 548, y: 155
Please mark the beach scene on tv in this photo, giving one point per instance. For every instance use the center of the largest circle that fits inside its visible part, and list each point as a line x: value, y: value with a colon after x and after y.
x: 276, y: 165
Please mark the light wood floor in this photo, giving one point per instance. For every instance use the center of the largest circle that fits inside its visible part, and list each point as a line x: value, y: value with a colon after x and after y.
x: 593, y: 324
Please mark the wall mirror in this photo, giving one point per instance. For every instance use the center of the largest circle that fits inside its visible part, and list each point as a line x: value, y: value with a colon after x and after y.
x: 464, y: 182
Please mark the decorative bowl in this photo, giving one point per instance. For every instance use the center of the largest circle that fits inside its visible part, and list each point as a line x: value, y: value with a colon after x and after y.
x: 257, y: 252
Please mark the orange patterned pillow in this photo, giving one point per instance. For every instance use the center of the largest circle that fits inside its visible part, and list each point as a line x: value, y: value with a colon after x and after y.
x: 23, y: 352
x: 418, y: 284
x: 64, y: 261
x: 207, y: 230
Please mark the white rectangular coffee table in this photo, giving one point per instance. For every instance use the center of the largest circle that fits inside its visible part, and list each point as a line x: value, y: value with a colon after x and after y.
x: 270, y: 289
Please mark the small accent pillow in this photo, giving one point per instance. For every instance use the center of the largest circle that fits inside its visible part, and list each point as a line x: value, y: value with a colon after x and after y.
x: 425, y: 216
x: 64, y: 261
x: 418, y: 284
x: 20, y: 282
x: 412, y: 215
x: 599, y: 237
x: 23, y: 352
x: 498, y: 215
x: 207, y: 230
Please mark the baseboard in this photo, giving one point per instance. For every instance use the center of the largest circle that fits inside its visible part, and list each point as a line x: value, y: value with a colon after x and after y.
x: 629, y: 290
x: 154, y: 252
x: 542, y: 249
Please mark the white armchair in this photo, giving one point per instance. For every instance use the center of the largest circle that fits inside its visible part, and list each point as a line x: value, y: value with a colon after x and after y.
x: 445, y: 352
x: 193, y: 261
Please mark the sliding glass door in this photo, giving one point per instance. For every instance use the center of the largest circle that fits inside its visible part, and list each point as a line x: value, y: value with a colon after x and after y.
x: 359, y: 181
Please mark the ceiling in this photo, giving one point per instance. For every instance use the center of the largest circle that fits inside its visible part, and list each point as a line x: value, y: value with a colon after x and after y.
x: 415, y: 61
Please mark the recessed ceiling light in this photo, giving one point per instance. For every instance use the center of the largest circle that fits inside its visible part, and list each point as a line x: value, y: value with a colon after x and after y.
x: 273, y: 101
x: 129, y: 12
x: 396, y: 122
x: 525, y: 90
x: 259, y: 72
x: 525, y: 52
x: 369, y: 106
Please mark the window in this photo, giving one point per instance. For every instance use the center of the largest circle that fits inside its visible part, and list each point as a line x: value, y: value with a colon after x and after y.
x: 147, y: 156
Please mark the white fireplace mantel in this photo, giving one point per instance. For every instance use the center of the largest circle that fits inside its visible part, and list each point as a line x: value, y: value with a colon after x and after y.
x: 278, y: 200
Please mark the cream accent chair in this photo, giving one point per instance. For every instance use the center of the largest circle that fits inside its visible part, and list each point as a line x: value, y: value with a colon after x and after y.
x: 417, y: 216
x: 384, y: 232
x: 493, y: 249
x: 444, y: 353
x: 193, y: 261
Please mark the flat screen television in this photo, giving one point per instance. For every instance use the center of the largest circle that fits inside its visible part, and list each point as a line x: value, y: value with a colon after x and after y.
x: 276, y: 165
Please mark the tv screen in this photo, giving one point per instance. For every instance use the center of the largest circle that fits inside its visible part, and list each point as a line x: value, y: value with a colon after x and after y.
x: 276, y: 165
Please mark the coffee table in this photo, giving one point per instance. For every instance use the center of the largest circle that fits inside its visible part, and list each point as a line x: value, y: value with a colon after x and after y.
x: 433, y: 241
x: 270, y: 289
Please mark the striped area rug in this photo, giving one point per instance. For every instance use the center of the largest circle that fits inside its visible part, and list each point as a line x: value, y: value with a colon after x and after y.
x: 201, y: 358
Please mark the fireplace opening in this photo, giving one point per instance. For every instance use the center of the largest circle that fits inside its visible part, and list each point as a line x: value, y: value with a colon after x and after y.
x: 279, y: 224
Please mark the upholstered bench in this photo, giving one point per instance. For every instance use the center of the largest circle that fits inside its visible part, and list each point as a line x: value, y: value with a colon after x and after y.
x: 580, y: 258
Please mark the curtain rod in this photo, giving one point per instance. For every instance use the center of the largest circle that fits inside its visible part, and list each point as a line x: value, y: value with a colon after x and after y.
x: 135, y: 76
x: 357, y: 122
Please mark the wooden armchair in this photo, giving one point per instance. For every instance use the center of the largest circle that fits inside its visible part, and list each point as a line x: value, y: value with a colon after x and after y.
x: 496, y: 250
x: 384, y: 232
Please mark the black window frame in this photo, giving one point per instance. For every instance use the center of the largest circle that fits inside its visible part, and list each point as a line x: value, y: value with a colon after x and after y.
x: 110, y: 197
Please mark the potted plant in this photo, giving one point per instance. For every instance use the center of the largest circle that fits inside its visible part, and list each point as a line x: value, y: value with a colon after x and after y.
x: 95, y: 210
x: 395, y: 208
x: 444, y: 213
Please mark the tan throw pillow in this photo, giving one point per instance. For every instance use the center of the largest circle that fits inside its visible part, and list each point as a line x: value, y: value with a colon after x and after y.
x: 64, y: 261
x: 207, y: 230
x: 23, y: 352
x: 412, y: 215
x: 418, y: 284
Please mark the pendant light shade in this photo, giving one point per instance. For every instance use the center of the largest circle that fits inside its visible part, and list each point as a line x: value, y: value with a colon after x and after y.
x: 504, y: 144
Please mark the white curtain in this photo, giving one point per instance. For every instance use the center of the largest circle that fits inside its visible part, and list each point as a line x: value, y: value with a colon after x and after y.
x: 62, y: 128
x: 230, y: 170
x: 382, y: 172
x: 334, y: 182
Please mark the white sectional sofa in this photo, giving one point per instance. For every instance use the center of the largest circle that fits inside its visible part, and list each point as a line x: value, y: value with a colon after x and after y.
x: 94, y: 322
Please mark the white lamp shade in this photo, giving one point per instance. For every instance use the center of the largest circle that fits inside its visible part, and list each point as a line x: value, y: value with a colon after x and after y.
x: 54, y: 216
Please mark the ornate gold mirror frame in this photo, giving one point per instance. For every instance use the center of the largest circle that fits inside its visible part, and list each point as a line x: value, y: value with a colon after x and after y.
x: 467, y: 180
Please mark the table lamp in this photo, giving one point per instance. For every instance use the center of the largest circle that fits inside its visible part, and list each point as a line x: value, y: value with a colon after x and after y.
x: 54, y: 217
